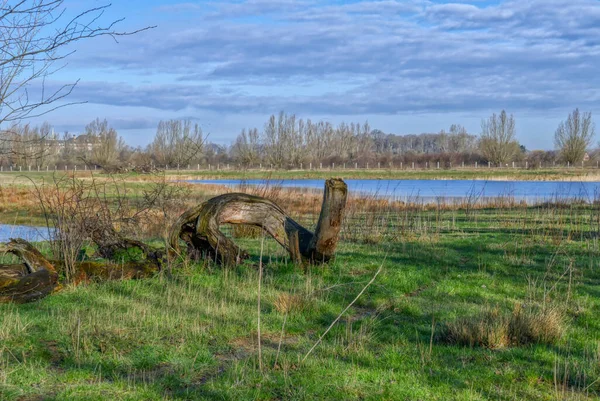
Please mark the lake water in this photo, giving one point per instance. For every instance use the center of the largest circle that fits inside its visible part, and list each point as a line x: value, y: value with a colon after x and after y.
x: 428, y: 190
x: 32, y: 234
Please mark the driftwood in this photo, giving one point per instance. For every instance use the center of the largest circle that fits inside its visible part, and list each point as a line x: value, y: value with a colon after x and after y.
x: 199, y: 227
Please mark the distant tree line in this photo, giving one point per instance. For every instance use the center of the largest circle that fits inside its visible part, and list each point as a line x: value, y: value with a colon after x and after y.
x: 286, y: 141
x: 176, y: 143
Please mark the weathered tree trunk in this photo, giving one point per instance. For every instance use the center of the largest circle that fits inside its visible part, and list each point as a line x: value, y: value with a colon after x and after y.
x: 199, y: 227
x: 35, y: 278
x: 324, y: 242
x: 104, y: 271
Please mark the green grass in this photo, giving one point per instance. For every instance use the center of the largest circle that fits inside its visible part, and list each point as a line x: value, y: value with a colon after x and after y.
x: 481, y: 173
x: 194, y: 335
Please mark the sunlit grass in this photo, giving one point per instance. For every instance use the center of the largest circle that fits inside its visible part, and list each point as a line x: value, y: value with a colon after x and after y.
x: 525, y: 277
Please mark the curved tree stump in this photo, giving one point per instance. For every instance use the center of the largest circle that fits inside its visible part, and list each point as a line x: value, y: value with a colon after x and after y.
x: 199, y: 227
x: 35, y: 278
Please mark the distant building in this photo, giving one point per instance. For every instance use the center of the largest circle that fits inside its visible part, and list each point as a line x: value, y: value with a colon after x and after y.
x: 75, y: 143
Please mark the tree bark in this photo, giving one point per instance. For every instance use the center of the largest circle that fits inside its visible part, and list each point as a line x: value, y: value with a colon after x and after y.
x: 199, y: 227
x: 110, y: 243
x: 35, y: 278
x: 324, y: 242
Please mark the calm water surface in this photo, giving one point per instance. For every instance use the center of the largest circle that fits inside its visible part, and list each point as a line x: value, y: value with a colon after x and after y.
x: 32, y: 234
x: 531, y: 191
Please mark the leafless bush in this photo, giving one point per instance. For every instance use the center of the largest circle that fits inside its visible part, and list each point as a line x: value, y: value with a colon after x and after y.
x: 163, y: 201
x: 66, y: 204
x: 105, y: 211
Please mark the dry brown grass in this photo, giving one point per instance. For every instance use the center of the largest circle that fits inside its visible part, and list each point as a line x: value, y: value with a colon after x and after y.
x: 286, y: 303
x: 536, y: 325
x: 527, y: 324
x: 489, y: 329
x: 16, y: 198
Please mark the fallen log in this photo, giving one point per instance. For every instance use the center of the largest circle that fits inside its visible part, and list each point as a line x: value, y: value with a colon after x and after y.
x: 104, y: 271
x: 111, y: 243
x: 199, y: 226
x: 36, y: 277
x: 30, y: 280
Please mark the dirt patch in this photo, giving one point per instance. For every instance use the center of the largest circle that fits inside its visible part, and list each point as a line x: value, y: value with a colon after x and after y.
x: 362, y: 313
x: 153, y: 374
x: 35, y: 397
x: 249, y: 344
x: 417, y: 291
x: 54, y: 354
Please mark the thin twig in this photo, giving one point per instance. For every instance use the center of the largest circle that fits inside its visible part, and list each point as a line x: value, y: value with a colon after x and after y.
x: 260, y: 271
x: 344, y: 311
x: 280, y: 338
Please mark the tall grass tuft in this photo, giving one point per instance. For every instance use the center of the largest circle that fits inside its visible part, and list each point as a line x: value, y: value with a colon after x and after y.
x: 287, y: 303
x: 531, y: 324
x: 527, y: 324
x: 489, y: 330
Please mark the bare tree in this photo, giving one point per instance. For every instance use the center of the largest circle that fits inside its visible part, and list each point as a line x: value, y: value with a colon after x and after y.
x: 246, y: 148
x: 177, y: 142
x: 573, y: 137
x: 274, y: 142
x: 107, y: 144
x: 27, y: 145
x: 35, y: 39
x: 498, y: 143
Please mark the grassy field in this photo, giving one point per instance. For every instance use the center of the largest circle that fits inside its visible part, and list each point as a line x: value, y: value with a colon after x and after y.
x: 482, y: 173
x: 576, y: 174
x: 471, y: 304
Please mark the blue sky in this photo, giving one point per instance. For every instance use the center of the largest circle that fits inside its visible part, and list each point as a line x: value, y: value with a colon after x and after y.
x: 405, y: 66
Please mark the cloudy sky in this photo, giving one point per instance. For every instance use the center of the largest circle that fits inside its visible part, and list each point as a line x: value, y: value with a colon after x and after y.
x: 405, y: 66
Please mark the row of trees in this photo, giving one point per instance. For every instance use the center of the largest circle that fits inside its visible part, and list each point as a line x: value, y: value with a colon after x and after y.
x: 177, y: 142
x: 286, y: 141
